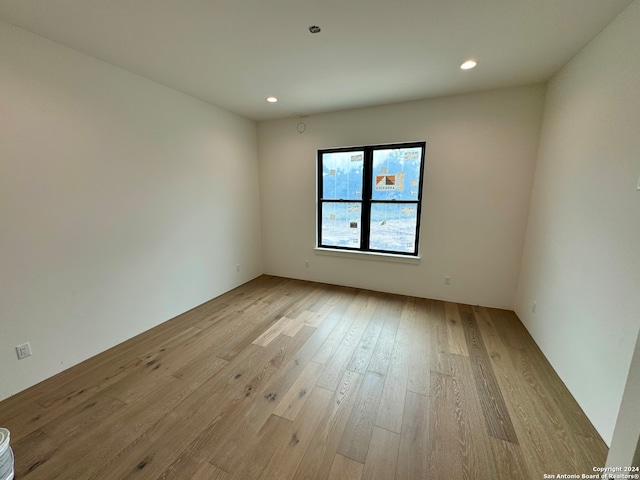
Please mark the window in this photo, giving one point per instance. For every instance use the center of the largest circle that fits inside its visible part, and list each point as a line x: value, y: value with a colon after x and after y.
x: 369, y: 198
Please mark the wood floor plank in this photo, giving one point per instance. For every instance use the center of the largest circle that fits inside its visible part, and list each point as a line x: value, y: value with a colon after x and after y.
x: 243, y: 328
x: 344, y: 468
x: 305, y: 296
x: 382, y: 458
x: 444, y: 460
x: 535, y: 442
x: 362, y: 355
x: 86, y: 385
x: 35, y: 451
x: 563, y: 440
x: 212, y: 400
x: 509, y: 460
x: 383, y: 350
x: 459, y: 442
x: 228, y: 452
x: 210, y: 472
x: 272, y: 332
x: 295, y: 325
x: 327, y: 305
x: 156, y: 366
x: 312, y: 318
x: 78, y: 457
x: 397, y: 394
x: 391, y: 409
x: 414, y: 439
x: 258, y: 449
x: 200, y: 369
x: 439, y: 338
x: 419, y: 378
x: 508, y: 457
x: 494, y: 408
x: 344, y: 353
x: 355, y: 441
x: 23, y: 419
x: 369, y: 305
x: 455, y: 332
x: 185, y: 467
x: 336, y: 337
x: 473, y: 435
x: 293, y: 401
x: 90, y: 414
x: 288, y: 455
x: 335, y: 367
x: 232, y: 304
x: 594, y: 450
x: 318, y: 461
x: 238, y: 400
x: 512, y: 333
x: 160, y: 445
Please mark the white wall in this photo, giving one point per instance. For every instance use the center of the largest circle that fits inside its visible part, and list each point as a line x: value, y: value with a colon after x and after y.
x: 625, y: 445
x: 122, y: 204
x: 480, y: 156
x: 581, y: 262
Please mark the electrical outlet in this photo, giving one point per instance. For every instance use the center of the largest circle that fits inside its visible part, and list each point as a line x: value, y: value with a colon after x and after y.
x: 533, y: 307
x: 447, y: 280
x: 23, y: 350
x: 238, y: 267
x: 306, y: 263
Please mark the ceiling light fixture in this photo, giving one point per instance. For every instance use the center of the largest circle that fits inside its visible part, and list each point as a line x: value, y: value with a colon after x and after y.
x: 315, y: 29
x: 272, y: 99
x: 468, y: 65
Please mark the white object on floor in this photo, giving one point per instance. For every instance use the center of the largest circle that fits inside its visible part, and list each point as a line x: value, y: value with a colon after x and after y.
x: 6, y: 456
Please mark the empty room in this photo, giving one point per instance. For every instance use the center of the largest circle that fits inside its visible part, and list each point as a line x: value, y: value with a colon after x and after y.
x: 319, y: 240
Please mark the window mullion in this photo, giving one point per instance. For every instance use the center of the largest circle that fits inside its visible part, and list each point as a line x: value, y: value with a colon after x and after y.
x: 366, y: 198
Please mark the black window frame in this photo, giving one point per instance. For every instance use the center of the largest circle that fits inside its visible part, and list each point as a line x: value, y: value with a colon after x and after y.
x: 366, y: 200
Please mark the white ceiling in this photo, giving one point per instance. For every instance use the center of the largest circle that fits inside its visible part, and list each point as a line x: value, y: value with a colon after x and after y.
x: 235, y: 53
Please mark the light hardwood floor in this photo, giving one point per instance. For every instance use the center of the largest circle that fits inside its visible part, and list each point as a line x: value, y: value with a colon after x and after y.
x: 282, y: 379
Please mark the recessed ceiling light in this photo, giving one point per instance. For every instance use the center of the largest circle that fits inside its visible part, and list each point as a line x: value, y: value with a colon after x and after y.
x: 314, y: 29
x: 272, y: 99
x: 469, y: 64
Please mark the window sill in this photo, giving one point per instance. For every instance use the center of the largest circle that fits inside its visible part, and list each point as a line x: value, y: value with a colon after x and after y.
x: 382, y: 257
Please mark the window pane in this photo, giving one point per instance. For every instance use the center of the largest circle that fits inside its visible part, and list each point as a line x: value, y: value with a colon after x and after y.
x: 341, y: 224
x: 342, y: 175
x: 396, y: 174
x: 393, y: 227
